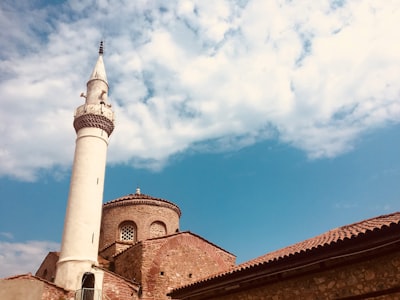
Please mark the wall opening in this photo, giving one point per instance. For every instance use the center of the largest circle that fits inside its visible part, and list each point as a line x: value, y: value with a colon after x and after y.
x: 127, y: 231
x: 157, y: 229
x: 87, y: 286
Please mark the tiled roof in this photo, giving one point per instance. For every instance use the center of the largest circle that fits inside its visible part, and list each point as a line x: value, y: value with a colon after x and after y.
x: 169, y: 236
x: 330, y: 237
x: 193, y: 234
x: 325, y: 240
x: 127, y: 248
x: 142, y: 199
x: 33, y: 277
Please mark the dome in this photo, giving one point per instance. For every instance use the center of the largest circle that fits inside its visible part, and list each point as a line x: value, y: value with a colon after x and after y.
x: 137, y: 217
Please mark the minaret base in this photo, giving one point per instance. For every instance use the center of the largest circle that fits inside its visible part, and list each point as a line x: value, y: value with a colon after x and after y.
x: 71, y: 275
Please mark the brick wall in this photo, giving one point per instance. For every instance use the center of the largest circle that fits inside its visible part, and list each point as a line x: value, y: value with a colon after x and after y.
x: 116, y: 288
x: 143, y: 215
x: 32, y: 288
x: 113, y: 249
x: 129, y: 263
x: 47, y: 269
x: 165, y: 263
x: 369, y: 279
x: 108, y: 251
x: 55, y: 293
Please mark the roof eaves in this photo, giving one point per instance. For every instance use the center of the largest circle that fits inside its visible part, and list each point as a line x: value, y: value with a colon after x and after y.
x: 30, y: 276
x: 290, y: 252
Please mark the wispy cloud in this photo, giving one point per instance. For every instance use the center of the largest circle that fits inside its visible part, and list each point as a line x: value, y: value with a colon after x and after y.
x: 197, y: 75
x: 7, y: 235
x: 24, y: 257
x: 370, y: 207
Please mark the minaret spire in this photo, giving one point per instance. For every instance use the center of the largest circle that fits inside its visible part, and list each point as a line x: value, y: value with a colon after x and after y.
x: 98, y: 83
x: 93, y: 123
x: 101, y: 48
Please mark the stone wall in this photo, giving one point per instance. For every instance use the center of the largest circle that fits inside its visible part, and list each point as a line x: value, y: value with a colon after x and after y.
x: 371, y: 279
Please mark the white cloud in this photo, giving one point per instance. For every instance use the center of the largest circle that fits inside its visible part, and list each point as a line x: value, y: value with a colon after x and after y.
x: 24, y: 257
x: 191, y: 75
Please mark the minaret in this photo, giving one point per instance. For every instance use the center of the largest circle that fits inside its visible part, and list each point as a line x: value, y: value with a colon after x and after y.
x: 93, y: 123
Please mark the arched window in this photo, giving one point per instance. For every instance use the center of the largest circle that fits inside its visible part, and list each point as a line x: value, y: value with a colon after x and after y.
x: 87, y: 292
x: 157, y: 229
x: 127, y: 232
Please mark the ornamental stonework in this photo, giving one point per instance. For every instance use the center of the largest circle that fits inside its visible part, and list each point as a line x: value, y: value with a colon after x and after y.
x: 95, y: 109
x: 94, y: 121
x: 96, y: 116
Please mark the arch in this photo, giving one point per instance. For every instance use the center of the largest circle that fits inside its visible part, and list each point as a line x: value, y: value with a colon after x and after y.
x: 87, y: 292
x: 127, y: 231
x: 158, y: 229
x: 88, y: 280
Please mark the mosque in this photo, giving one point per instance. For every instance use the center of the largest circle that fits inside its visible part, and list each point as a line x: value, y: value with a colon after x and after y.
x: 132, y: 247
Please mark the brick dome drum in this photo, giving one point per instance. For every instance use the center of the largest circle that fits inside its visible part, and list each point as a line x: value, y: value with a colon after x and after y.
x: 136, y: 217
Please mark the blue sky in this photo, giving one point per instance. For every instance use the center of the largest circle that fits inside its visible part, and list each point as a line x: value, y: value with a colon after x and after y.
x: 267, y: 122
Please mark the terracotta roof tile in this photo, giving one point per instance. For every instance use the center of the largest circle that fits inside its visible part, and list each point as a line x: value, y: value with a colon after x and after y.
x: 127, y: 248
x: 33, y: 277
x: 328, y: 238
x: 172, y: 235
x: 142, y: 198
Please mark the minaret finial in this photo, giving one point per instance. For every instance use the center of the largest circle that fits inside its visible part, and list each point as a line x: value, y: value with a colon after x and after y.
x: 101, y: 49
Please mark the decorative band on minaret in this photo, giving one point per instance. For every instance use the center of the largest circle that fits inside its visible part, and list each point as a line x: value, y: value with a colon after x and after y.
x: 93, y: 117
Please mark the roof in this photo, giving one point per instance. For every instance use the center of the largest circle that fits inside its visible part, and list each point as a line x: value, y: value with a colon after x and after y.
x: 138, y: 198
x: 330, y: 237
x: 33, y: 277
x: 192, y: 234
x: 170, y: 236
x: 322, y: 243
x: 133, y: 284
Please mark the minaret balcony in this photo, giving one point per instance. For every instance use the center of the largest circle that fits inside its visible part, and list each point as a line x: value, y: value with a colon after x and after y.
x: 96, y: 116
x: 95, y: 109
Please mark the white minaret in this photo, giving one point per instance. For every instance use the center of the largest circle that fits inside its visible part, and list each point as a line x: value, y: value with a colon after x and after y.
x: 93, y: 123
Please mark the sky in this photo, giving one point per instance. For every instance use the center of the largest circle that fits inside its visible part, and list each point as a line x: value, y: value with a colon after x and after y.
x: 266, y: 122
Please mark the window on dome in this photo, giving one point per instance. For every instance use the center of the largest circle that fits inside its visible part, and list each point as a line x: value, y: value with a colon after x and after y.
x: 157, y: 229
x: 127, y: 232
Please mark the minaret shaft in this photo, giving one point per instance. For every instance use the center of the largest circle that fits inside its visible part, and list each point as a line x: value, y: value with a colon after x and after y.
x: 94, y: 123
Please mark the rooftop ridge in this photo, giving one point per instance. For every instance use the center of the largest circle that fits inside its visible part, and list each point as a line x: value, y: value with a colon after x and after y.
x: 127, y: 248
x: 29, y: 275
x: 132, y: 283
x: 329, y: 238
x: 191, y: 233
x: 142, y: 199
